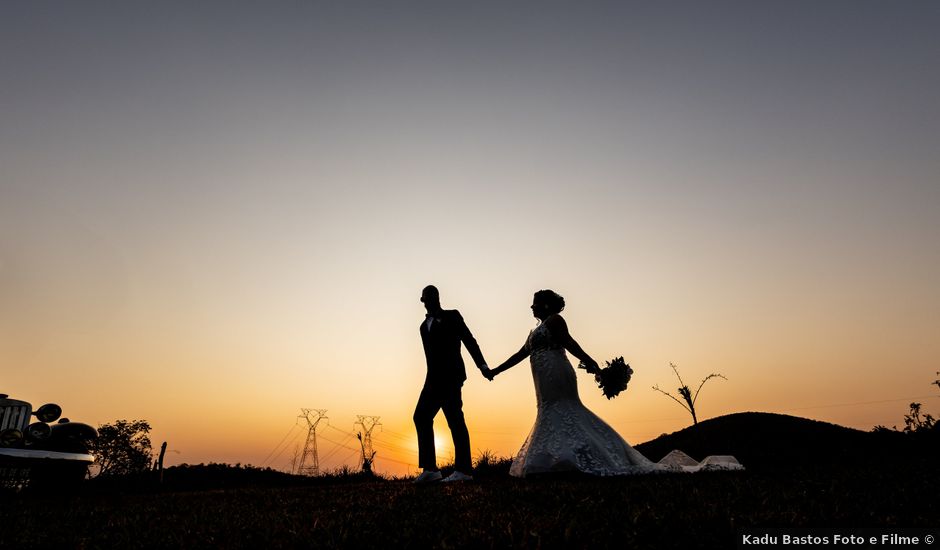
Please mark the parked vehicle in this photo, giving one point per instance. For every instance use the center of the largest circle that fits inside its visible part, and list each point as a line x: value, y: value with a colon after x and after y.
x: 42, y: 454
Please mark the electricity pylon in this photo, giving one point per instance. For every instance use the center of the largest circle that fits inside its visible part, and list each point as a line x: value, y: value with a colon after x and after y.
x: 368, y: 423
x: 294, y: 459
x: 309, y: 461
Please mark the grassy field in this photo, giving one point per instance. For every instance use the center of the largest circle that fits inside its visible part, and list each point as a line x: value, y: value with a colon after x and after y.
x: 884, y: 488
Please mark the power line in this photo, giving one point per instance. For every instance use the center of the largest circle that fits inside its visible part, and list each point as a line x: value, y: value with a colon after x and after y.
x: 859, y: 403
x: 263, y: 462
x: 409, y: 464
x: 350, y: 457
x: 332, y: 427
x: 390, y: 445
x: 384, y: 432
x: 346, y: 459
x: 335, y: 449
x: 782, y: 409
x: 339, y: 444
x: 399, y: 436
x: 284, y: 448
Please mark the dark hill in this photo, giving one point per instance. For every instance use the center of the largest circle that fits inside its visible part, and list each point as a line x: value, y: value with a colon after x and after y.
x: 777, y: 441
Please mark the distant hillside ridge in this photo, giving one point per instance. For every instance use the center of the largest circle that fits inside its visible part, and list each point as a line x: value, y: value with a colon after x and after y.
x: 768, y: 440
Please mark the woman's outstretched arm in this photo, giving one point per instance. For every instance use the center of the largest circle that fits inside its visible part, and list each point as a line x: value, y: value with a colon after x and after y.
x: 509, y: 363
x: 559, y: 328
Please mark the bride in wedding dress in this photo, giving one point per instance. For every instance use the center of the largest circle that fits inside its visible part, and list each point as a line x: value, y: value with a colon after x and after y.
x: 567, y: 437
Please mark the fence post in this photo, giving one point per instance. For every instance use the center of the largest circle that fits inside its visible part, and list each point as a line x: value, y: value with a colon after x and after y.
x: 160, y: 460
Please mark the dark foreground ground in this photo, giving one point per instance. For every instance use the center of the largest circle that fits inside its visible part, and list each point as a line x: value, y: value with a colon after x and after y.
x: 703, y: 510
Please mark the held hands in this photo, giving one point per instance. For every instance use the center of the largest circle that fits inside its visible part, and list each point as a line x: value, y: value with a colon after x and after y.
x: 487, y: 373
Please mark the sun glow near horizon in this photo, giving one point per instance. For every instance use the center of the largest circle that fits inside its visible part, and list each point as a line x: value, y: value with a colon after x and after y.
x: 211, y: 218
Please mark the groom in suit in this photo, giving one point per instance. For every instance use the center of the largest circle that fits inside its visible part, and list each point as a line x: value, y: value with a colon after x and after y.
x: 442, y: 331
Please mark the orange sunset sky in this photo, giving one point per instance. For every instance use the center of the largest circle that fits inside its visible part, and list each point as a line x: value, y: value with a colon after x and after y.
x: 213, y: 215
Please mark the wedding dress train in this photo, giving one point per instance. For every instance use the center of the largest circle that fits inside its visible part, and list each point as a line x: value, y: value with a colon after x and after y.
x: 567, y: 437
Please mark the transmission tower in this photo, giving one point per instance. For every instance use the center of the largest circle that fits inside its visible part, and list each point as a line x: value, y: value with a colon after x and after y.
x: 294, y: 459
x: 309, y: 461
x: 368, y: 423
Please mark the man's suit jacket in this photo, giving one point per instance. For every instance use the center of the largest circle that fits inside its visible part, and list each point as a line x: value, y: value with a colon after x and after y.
x: 442, y: 348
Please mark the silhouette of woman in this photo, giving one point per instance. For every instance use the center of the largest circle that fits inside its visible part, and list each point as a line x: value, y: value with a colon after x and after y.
x: 567, y: 437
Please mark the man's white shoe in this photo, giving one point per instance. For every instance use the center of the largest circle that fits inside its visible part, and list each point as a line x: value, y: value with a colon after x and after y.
x: 457, y: 476
x: 428, y: 476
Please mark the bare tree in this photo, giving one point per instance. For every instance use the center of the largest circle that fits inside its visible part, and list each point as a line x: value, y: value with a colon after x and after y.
x: 686, y: 393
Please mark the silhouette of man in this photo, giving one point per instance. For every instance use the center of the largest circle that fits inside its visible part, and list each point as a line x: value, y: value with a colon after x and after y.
x: 442, y: 331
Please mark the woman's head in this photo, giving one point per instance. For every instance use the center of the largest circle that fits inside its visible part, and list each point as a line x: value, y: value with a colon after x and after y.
x: 547, y: 302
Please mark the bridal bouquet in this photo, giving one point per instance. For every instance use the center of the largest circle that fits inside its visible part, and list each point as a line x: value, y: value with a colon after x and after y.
x: 613, y: 378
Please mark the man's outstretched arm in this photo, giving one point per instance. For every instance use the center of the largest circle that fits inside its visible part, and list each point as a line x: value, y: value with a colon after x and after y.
x: 471, y: 344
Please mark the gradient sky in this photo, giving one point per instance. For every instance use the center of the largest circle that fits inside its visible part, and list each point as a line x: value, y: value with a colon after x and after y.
x: 214, y: 214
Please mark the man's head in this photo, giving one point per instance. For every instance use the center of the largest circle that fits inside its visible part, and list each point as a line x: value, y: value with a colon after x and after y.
x: 431, y: 298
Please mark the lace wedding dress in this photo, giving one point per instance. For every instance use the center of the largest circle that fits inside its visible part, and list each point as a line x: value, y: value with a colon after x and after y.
x: 568, y: 437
